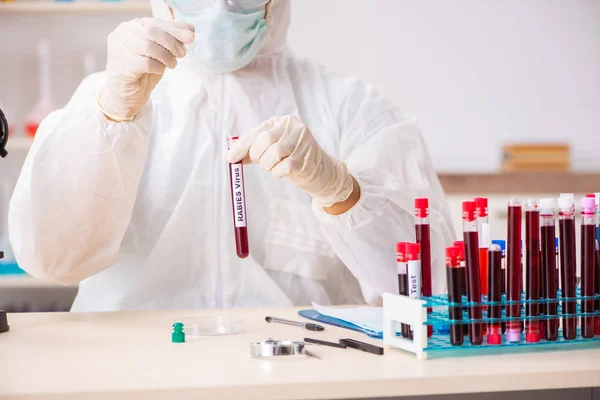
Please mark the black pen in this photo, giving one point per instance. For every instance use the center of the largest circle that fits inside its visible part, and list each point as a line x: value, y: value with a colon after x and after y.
x: 306, y: 325
x: 367, y: 347
x: 325, y: 343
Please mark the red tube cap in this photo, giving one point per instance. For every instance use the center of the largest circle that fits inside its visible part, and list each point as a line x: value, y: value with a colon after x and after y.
x: 413, y: 251
x: 401, y: 247
x: 481, y: 204
x: 452, y: 256
x: 494, y: 339
x: 532, y: 337
x: 460, y: 245
x: 468, y: 208
x: 421, y: 207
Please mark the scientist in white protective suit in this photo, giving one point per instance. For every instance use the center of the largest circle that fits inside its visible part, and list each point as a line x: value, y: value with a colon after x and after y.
x: 126, y: 189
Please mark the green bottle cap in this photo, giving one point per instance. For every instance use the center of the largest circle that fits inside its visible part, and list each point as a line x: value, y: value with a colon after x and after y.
x: 178, y: 335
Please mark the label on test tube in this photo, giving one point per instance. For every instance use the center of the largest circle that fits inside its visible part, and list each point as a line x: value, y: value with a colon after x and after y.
x: 414, y: 279
x: 237, y: 183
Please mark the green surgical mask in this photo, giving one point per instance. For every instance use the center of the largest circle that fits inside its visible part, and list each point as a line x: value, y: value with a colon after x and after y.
x: 225, y: 41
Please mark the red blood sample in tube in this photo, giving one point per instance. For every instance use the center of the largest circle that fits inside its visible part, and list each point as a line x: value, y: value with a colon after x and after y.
x: 460, y: 245
x: 413, y: 260
x: 238, y: 204
x: 473, y: 273
x: 566, y: 228
x: 402, y: 280
x: 548, y: 233
x: 513, y: 270
x: 532, y: 243
x: 494, y: 331
x: 454, y: 295
x: 588, y: 248
x: 597, y: 290
x: 483, y: 230
x: 423, y: 234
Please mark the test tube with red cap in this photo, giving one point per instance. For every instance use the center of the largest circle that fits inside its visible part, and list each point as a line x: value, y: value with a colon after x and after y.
x: 483, y: 228
x: 495, y: 282
x: 597, y: 265
x: 460, y: 245
x: 588, y: 248
x: 402, y: 279
x: 423, y: 235
x: 454, y: 278
x: 532, y: 272
x: 514, y: 269
x: 473, y: 277
x: 568, y: 263
x: 547, y: 208
x: 413, y: 259
x: 597, y: 290
x: 238, y: 204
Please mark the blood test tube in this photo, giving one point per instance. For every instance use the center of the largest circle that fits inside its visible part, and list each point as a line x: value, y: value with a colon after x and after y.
x: 514, y: 270
x: 532, y: 243
x: 568, y: 263
x: 238, y: 204
x: 423, y: 234
x: 472, y: 263
x: 548, y: 233
x: 460, y: 245
x: 413, y: 259
x: 483, y: 230
x: 402, y: 280
x: 454, y: 278
x: 494, y: 331
x: 597, y: 290
x: 588, y: 248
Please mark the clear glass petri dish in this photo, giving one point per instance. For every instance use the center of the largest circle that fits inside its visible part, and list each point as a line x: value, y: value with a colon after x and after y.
x: 212, y: 326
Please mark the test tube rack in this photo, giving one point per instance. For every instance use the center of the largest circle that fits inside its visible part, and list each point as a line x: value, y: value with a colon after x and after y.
x: 402, y: 309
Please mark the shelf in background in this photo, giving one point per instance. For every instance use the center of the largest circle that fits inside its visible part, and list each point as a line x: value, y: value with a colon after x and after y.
x: 521, y: 182
x: 26, y: 7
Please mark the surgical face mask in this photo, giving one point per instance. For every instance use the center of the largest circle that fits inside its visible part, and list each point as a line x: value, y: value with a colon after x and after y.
x: 225, y: 40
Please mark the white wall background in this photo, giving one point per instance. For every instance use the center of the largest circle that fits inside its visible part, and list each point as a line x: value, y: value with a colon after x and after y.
x: 477, y: 73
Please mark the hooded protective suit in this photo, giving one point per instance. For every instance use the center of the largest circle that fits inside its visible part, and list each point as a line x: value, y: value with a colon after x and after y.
x: 139, y: 212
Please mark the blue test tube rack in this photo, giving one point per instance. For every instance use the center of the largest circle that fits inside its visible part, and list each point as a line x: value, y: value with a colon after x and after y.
x: 402, y: 309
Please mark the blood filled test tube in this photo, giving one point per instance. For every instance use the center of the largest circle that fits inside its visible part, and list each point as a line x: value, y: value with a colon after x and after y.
x: 514, y: 270
x: 413, y: 259
x: 494, y: 330
x: 472, y: 263
x: 597, y: 204
x: 597, y: 265
x: 502, y: 244
x: 548, y: 233
x: 454, y: 278
x: 402, y: 280
x: 532, y: 243
x: 483, y: 230
x: 423, y: 235
x: 588, y: 249
x: 460, y: 245
x: 238, y: 205
x: 597, y: 290
x: 568, y: 264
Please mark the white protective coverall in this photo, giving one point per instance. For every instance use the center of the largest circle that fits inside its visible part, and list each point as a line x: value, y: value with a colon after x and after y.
x: 139, y: 213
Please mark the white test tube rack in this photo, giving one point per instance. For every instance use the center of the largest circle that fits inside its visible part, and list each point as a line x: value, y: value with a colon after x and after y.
x: 402, y: 309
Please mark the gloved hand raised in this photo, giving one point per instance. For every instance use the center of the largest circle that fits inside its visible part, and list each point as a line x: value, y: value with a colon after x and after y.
x: 285, y: 147
x: 139, y: 51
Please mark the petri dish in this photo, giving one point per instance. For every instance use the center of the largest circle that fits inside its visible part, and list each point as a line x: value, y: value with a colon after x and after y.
x: 212, y: 326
